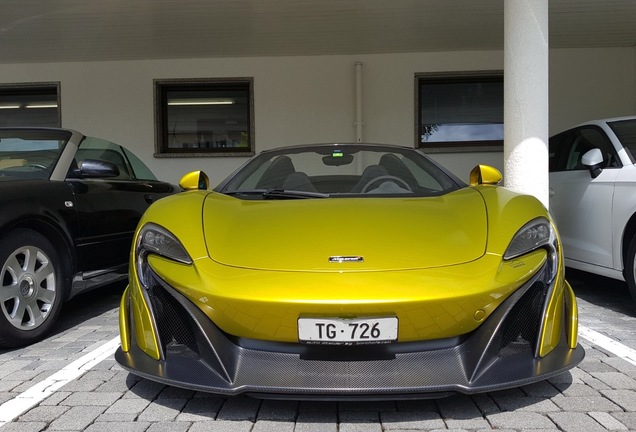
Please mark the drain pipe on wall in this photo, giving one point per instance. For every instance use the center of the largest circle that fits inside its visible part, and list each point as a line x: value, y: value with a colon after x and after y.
x: 358, y: 121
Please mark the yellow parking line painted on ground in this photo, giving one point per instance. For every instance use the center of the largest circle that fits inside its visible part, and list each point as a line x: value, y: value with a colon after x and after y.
x: 26, y: 400
x: 616, y: 348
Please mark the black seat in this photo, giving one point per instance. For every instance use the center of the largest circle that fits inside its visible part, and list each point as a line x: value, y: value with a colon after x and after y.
x: 395, y: 167
x: 369, y: 173
x: 299, y: 181
x: 275, y: 174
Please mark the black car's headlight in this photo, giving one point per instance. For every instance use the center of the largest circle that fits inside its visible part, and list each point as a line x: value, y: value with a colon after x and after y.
x: 536, y: 234
x: 154, y: 239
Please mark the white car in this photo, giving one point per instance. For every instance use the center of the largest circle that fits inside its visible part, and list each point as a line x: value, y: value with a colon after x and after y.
x: 593, y: 197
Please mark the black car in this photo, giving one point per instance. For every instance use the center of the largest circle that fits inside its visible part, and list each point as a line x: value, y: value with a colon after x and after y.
x: 69, y: 205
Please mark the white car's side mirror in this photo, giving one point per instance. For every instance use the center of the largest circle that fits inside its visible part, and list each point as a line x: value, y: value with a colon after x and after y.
x: 593, y: 159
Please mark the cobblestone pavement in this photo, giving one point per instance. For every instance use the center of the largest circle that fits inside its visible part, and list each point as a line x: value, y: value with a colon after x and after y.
x: 599, y: 395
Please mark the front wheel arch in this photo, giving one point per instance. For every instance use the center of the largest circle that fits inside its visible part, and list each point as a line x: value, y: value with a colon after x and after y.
x: 629, y: 264
x: 628, y: 234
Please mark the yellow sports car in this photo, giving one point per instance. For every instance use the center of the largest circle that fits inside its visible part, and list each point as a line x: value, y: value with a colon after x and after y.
x: 347, y: 271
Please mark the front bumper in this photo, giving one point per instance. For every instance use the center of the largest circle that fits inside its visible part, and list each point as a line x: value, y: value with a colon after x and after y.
x: 501, y: 353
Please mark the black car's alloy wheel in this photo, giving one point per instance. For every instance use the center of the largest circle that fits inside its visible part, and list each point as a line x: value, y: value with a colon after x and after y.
x: 30, y: 287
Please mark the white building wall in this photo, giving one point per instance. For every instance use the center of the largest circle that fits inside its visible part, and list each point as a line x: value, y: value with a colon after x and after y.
x: 591, y: 83
x: 312, y: 99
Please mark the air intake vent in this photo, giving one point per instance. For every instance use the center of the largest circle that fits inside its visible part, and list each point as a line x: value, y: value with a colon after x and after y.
x: 174, y: 326
x: 521, y: 327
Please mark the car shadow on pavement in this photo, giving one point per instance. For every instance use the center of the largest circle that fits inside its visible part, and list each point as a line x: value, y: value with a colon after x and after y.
x: 88, y: 305
x: 602, y: 291
x: 81, y: 309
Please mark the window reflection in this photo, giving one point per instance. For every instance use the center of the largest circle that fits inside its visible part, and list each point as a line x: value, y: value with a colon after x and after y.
x: 34, y: 105
x: 460, y: 110
x: 205, y: 117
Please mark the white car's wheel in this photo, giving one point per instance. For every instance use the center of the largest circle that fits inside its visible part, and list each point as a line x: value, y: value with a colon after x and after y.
x: 31, y: 287
x: 630, y: 268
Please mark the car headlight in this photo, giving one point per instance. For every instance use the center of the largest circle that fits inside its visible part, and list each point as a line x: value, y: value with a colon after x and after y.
x: 536, y: 234
x: 154, y: 239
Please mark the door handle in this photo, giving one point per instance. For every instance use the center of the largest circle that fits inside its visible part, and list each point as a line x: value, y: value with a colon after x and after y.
x: 551, y: 192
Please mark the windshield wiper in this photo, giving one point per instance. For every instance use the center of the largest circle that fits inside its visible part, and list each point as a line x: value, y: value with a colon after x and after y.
x: 292, y: 194
x: 278, y: 193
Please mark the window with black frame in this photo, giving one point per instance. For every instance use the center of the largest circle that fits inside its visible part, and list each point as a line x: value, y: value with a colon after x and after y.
x: 30, y: 105
x: 456, y: 110
x: 204, y: 117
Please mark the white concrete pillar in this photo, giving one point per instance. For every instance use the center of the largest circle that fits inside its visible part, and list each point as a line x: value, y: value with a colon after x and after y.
x: 526, y: 97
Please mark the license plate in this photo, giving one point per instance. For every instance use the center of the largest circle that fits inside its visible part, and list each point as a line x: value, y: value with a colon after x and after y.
x: 347, y: 331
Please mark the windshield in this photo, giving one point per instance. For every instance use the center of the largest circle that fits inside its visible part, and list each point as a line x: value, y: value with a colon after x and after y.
x: 339, y: 170
x: 30, y: 154
x: 625, y: 130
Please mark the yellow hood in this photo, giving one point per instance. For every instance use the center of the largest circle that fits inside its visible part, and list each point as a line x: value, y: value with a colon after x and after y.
x: 377, y: 233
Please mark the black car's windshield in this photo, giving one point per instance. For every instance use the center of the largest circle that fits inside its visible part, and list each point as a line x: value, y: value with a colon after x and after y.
x: 342, y: 170
x: 30, y: 154
x: 625, y: 130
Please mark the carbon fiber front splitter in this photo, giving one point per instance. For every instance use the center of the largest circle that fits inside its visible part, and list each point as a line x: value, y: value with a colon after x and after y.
x: 412, y: 375
x: 487, y: 359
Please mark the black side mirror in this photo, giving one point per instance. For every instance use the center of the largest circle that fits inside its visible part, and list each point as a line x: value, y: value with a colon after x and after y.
x: 93, y: 168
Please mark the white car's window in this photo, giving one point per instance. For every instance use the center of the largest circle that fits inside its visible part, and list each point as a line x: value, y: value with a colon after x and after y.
x: 567, y: 149
x: 625, y: 130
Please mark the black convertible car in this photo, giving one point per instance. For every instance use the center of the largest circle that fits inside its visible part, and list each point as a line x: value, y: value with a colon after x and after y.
x: 69, y: 205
